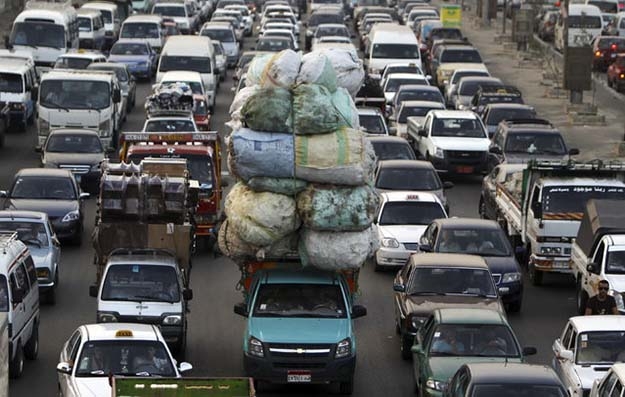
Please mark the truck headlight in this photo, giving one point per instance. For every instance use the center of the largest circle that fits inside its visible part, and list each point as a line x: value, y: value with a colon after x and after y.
x: 106, y: 317
x: 105, y: 128
x: 172, y: 319
x: 547, y: 250
x: 44, y: 127
x: 17, y: 106
x: 620, y: 305
x: 343, y: 348
x: 71, y: 216
x: 255, y: 347
x: 435, y: 385
x: 511, y: 277
x: 390, y: 242
x: 438, y: 152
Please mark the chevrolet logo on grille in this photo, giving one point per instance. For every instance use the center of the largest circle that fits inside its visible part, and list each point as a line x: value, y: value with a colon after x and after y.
x: 300, y: 350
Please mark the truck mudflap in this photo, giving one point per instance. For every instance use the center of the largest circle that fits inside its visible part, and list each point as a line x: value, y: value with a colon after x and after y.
x: 182, y: 387
x: 553, y: 264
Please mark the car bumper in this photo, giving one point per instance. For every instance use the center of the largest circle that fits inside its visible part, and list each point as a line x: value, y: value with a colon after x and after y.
x: 173, y: 334
x: 552, y: 264
x: 392, y: 257
x: 337, y: 370
x: 140, y: 71
x: 510, y: 292
x: 461, y: 166
x: 45, y: 278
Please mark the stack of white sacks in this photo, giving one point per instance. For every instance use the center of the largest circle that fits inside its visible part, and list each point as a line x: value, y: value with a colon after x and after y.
x: 303, y: 166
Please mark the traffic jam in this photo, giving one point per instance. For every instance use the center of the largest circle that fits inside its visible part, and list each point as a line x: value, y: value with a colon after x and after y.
x: 318, y: 149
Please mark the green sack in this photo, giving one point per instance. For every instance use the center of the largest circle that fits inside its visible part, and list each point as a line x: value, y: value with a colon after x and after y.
x: 269, y: 110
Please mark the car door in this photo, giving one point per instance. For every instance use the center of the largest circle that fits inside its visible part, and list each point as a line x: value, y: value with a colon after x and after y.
x: 68, y: 355
x: 488, y: 210
x: 422, y: 141
x: 424, y: 335
x: 55, y: 245
x: 18, y: 284
x: 564, y: 340
x: 400, y: 296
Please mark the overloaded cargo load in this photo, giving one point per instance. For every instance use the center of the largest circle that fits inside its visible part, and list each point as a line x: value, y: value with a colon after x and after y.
x: 305, y: 170
x: 170, y: 96
x: 182, y: 387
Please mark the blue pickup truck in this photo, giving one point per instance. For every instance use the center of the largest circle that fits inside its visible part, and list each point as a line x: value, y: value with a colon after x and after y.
x: 299, y: 325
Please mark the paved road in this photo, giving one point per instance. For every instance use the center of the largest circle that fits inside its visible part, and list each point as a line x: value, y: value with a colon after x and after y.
x: 215, y: 334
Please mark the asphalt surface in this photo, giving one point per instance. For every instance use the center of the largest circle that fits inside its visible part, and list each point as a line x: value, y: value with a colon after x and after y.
x: 215, y: 332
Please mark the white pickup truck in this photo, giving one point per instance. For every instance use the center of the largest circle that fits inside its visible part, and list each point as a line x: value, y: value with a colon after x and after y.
x: 598, y: 252
x: 542, y: 207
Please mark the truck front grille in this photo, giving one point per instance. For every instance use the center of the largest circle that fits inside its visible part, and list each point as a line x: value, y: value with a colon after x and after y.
x: 465, y: 156
x: 293, y: 350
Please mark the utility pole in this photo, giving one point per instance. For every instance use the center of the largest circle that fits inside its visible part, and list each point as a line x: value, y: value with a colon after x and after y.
x: 576, y: 95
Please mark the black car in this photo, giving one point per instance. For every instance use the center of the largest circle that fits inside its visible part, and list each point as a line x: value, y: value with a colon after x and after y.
x: 486, y: 239
x: 495, y: 94
x: 495, y: 113
x: 391, y: 148
x: 505, y: 379
x: 53, y: 191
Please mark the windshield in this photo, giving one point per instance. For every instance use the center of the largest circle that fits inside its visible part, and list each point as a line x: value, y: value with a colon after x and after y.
x: 500, y: 98
x: 535, y: 143
x: 75, y: 94
x: 442, y: 280
x: 43, y: 188
x: 445, y: 33
x: 495, y: 116
x: 124, y: 357
x: 518, y: 390
x: 107, y: 16
x: 169, y: 125
x: 38, y: 34
x: 419, y: 179
x: 194, y: 64
x: 300, y: 300
x: 402, y: 69
x: 418, y: 95
x: 469, y: 88
x: 615, y: 264
x: 72, y: 63
x: 468, y: 55
x: 129, y: 49
x: 484, y: 242
x: 223, y: 35
x: 393, y: 84
x: 200, y: 169
x: 372, y: 124
x: 30, y: 233
x: 410, y: 213
x: 84, y: 24
x: 331, y: 31
x: 170, y: 11
x: 318, y: 19
x: 600, y: 347
x: 458, y: 75
x: 396, y: 51
x: 483, y: 340
x: 413, y: 111
x: 466, y: 128
x: 605, y: 6
x: 139, y: 30
x: 393, y: 151
x: 585, y: 22
x: 270, y: 44
x: 558, y: 199
x: 141, y: 283
x: 11, y: 82
x: 66, y: 143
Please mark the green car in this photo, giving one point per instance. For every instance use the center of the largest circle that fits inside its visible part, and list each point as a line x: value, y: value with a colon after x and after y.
x: 453, y: 337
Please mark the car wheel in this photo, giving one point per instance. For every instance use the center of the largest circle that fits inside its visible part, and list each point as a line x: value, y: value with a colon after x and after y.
x: 582, y: 299
x: 482, y: 208
x: 536, y: 276
x: 347, y: 388
x: 16, y: 366
x: 515, y: 307
x: 31, y: 350
x: 406, y: 345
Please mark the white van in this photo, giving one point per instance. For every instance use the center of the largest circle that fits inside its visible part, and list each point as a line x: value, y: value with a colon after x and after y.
x: 316, y: 4
x: 180, y: 12
x: 46, y: 30
x: 79, y: 99
x: 19, y: 298
x: 606, y: 6
x: 585, y: 24
x: 147, y: 27
x: 619, y: 23
x: 224, y: 33
x: 91, y: 30
x: 391, y: 43
x: 191, y: 53
x: 110, y: 15
x: 18, y: 88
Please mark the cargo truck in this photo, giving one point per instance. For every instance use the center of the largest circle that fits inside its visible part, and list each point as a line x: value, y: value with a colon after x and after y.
x: 299, y: 323
x: 541, y: 207
x: 182, y: 387
x: 598, y: 252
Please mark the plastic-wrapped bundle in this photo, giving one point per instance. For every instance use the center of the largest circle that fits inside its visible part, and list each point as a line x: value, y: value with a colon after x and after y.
x: 237, y: 104
x: 274, y: 70
x: 170, y: 96
x: 349, y: 70
x: 268, y: 109
x: 317, y: 69
x: 314, y: 112
x: 288, y: 186
x: 345, y: 105
x: 260, y: 219
x: 232, y: 246
x: 336, y: 208
x: 337, y: 250
x: 252, y: 153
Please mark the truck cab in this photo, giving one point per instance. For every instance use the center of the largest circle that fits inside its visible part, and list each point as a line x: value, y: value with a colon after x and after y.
x: 299, y: 325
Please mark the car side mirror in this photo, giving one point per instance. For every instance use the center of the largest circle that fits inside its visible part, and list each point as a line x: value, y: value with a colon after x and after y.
x: 187, y: 294
x: 84, y: 196
x: 399, y: 288
x: 93, y: 291
x: 55, y: 241
x: 3, y: 193
x: 448, y: 185
x: 428, y: 77
x: 358, y: 311
x: 593, y: 268
x: 494, y: 150
x: 64, y: 368
x: 241, y: 309
x: 184, y: 367
x: 573, y: 152
x: 565, y: 355
x: 17, y: 296
x: 530, y: 351
x: 422, y: 132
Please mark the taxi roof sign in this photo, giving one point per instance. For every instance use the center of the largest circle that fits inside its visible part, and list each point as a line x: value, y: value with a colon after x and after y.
x: 412, y: 197
x: 169, y: 137
x: 123, y: 333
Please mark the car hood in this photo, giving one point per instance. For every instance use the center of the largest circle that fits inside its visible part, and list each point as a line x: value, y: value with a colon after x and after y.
x: 128, y: 58
x: 54, y: 208
x: 93, y: 387
x: 426, y: 304
x: 588, y: 374
x: 502, y: 264
x: 41, y: 256
x: 299, y: 330
x: 521, y: 158
x: 443, y: 368
x: 73, y: 158
x: 389, y: 96
x: 402, y: 233
x: 465, y: 144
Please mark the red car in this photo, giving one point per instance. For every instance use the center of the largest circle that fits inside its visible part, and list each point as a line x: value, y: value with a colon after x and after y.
x: 605, y: 50
x: 616, y: 73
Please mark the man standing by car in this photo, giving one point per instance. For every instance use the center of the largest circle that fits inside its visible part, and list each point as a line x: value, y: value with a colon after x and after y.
x: 602, y: 303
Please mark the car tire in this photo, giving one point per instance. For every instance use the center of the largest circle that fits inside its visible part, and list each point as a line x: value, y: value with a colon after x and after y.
x: 536, y: 276
x: 581, y: 298
x: 482, y: 208
x: 406, y: 345
x: 347, y: 388
x: 16, y: 366
x: 31, y: 349
x: 515, y: 307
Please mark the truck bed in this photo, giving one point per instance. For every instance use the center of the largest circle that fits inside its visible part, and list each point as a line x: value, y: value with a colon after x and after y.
x: 183, y: 387
x: 509, y: 208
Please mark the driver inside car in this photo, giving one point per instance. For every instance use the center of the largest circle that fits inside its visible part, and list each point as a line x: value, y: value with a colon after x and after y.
x: 149, y: 361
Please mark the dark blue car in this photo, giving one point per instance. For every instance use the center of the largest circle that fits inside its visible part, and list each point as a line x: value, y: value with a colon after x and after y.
x: 138, y: 55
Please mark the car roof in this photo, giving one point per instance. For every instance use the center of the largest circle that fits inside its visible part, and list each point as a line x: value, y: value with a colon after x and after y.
x: 454, y: 114
x: 387, y: 139
x: 369, y: 111
x: 331, y: 25
x: 418, y: 164
x: 47, y: 172
x: 154, y: 259
x: 84, y: 55
x: 598, y: 323
x: 108, y: 331
x: 436, y: 259
x: 469, y: 315
x: 509, y: 106
x: 21, y: 215
x: 104, y: 65
x: 418, y: 87
x: 405, y: 196
x: 412, y: 76
x: 414, y: 104
x: 475, y: 223
x: 498, y: 373
x: 181, y: 75
x: 279, y: 276
x: 74, y: 131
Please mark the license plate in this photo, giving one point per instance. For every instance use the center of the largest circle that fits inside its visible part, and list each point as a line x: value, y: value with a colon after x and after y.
x: 464, y: 170
x: 298, y: 377
x: 560, y: 265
